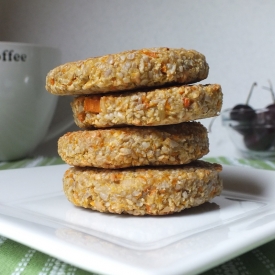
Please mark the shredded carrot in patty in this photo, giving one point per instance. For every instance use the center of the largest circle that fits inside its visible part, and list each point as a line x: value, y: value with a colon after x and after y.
x: 81, y: 116
x: 186, y: 102
x: 152, y: 54
x: 92, y: 104
x: 163, y: 68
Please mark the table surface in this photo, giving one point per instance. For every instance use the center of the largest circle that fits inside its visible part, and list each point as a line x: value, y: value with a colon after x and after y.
x: 16, y: 258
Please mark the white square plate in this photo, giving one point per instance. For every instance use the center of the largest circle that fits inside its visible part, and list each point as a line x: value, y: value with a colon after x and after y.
x: 35, y: 212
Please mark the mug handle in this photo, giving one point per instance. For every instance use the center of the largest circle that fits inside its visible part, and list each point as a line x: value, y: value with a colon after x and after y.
x: 58, y: 128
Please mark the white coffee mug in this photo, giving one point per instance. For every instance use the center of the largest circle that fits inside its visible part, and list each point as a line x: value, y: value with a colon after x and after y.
x: 26, y: 108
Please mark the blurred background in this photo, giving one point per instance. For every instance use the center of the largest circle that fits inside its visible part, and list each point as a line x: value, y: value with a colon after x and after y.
x: 236, y: 36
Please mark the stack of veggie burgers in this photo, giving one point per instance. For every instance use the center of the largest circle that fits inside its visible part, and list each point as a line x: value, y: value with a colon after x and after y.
x: 139, y: 145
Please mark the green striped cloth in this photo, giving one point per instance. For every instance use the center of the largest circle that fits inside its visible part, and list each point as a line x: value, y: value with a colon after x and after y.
x: 18, y: 259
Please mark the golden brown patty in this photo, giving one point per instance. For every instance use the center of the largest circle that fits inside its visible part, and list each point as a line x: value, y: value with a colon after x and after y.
x: 135, y: 146
x: 156, y: 107
x: 128, y: 70
x: 140, y: 191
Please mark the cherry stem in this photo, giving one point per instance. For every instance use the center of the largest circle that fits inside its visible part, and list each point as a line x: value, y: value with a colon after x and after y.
x: 270, y: 88
x: 211, y: 123
x: 250, y: 92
